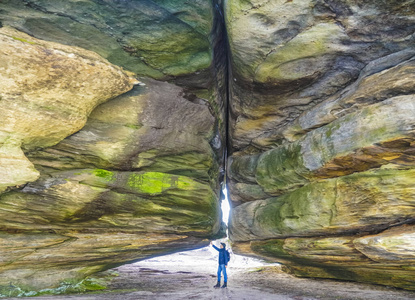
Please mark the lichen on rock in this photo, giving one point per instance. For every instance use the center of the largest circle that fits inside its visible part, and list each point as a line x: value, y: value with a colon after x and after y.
x: 102, y: 168
x: 159, y: 39
x: 312, y: 101
x: 322, y: 136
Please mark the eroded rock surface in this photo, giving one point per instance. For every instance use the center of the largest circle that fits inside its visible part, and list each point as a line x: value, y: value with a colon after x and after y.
x: 319, y: 128
x: 47, y: 91
x: 386, y: 258
x: 322, y: 100
x: 154, y: 38
x: 99, y: 173
x: 288, y: 56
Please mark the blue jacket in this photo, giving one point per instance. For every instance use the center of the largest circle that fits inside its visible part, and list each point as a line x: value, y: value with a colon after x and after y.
x: 223, y: 255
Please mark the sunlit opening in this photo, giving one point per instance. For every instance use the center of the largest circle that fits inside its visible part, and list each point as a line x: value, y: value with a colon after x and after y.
x: 225, y: 206
x: 203, y: 260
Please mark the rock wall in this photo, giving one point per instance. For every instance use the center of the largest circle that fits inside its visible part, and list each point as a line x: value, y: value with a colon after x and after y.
x: 116, y: 116
x: 322, y: 136
x: 111, y: 137
x: 47, y: 92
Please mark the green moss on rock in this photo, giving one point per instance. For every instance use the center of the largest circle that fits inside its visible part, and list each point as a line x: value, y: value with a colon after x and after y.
x: 65, y: 287
x: 23, y: 40
x: 156, y: 183
x: 360, y: 201
x: 319, y: 40
x: 166, y: 38
x: 106, y: 175
x: 284, y: 160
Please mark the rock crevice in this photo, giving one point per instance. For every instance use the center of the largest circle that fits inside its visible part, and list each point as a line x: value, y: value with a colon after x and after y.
x: 120, y: 120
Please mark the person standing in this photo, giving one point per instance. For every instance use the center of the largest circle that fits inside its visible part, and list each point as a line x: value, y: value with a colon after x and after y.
x: 223, y: 264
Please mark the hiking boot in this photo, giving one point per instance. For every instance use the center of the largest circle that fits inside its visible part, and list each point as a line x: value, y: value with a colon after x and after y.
x: 225, y: 284
x: 217, y: 285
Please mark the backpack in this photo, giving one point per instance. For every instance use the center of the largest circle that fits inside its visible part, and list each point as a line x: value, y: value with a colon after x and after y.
x: 228, y: 256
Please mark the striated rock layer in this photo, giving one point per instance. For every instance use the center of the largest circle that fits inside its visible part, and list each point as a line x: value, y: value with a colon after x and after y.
x: 47, y: 92
x: 115, y: 120
x: 322, y: 136
x: 111, y: 136
x: 159, y: 38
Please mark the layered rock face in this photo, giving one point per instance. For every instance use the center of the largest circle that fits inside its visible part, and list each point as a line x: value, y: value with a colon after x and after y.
x: 114, y: 124
x: 44, y: 85
x: 159, y: 38
x: 111, y: 135
x: 322, y: 132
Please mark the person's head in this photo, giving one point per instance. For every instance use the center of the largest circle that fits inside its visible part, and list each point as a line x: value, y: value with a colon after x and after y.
x: 222, y: 245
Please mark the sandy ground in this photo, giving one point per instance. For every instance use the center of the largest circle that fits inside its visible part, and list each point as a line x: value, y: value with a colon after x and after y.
x: 191, y: 275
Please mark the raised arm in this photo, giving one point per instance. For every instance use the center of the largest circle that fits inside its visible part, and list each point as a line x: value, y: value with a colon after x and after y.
x: 214, y: 246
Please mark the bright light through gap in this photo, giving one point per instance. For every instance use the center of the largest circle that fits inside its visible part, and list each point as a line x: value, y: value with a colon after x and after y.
x: 203, y: 260
x: 225, y: 207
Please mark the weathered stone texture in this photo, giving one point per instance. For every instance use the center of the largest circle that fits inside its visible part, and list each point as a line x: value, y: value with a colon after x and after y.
x: 288, y: 56
x: 322, y: 100
x: 153, y: 127
x: 319, y: 127
x: 91, y: 183
x: 365, y: 201
x: 380, y: 134
x: 152, y: 38
x: 26, y: 256
x: 47, y: 91
x: 386, y: 258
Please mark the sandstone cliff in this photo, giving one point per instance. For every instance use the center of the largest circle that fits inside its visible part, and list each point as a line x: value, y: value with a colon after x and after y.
x: 116, y: 117
x: 322, y: 133
x: 102, y: 166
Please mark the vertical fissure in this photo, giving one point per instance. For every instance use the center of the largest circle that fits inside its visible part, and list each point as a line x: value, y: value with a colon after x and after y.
x: 222, y: 72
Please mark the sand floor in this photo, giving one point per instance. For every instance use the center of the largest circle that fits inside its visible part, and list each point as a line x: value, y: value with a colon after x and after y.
x: 191, y: 275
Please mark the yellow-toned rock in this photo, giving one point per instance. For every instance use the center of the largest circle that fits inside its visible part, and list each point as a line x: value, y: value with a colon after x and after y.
x: 397, y: 76
x: 15, y: 167
x: 281, y: 63
x: 34, y: 260
x: 385, y: 258
x: 153, y: 127
x: 377, y: 135
x: 68, y: 225
x: 131, y: 178
x: 290, y: 56
x: 47, y: 91
x: 394, y: 246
